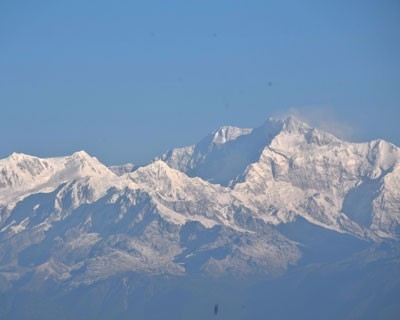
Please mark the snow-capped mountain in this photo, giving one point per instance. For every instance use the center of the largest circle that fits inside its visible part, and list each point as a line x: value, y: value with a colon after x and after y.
x: 22, y: 175
x: 223, y: 154
x: 286, y: 168
x: 222, y: 206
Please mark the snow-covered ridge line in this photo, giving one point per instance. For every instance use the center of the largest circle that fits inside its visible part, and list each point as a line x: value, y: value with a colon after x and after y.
x: 23, y: 175
x: 283, y: 163
x: 217, y: 206
x: 281, y: 170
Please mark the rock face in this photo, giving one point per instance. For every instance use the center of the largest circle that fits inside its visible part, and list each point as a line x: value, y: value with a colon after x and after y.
x: 241, y: 202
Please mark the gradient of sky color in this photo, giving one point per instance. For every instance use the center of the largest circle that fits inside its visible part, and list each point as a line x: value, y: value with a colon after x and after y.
x: 125, y: 80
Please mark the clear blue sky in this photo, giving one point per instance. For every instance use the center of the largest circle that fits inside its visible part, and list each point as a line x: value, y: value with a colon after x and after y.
x: 125, y: 80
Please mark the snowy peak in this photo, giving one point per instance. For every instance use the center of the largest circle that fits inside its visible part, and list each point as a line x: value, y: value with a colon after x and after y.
x: 18, y: 167
x: 22, y: 175
x: 158, y: 168
x: 293, y: 125
x: 223, y: 156
x: 289, y: 125
x: 158, y: 176
x: 383, y: 154
x: 185, y: 158
x: 295, y: 169
x: 15, y: 156
x: 85, y: 165
x: 180, y: 198
x: 226, y: 133
x: 297, y: 134
x: 82, y: 154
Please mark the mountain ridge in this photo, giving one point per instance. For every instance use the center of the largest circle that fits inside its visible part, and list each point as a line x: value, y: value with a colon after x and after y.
x: 155, y: 218
x: 263, y: 209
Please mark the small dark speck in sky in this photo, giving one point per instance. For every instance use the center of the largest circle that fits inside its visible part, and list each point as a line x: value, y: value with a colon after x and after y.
x: 216, y: 309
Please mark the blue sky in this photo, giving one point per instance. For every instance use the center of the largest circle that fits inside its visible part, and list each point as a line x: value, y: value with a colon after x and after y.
x: 125, y: 80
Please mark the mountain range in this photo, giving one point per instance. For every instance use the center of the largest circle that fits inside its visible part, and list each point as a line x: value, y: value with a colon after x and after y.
x: 267, y: 205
